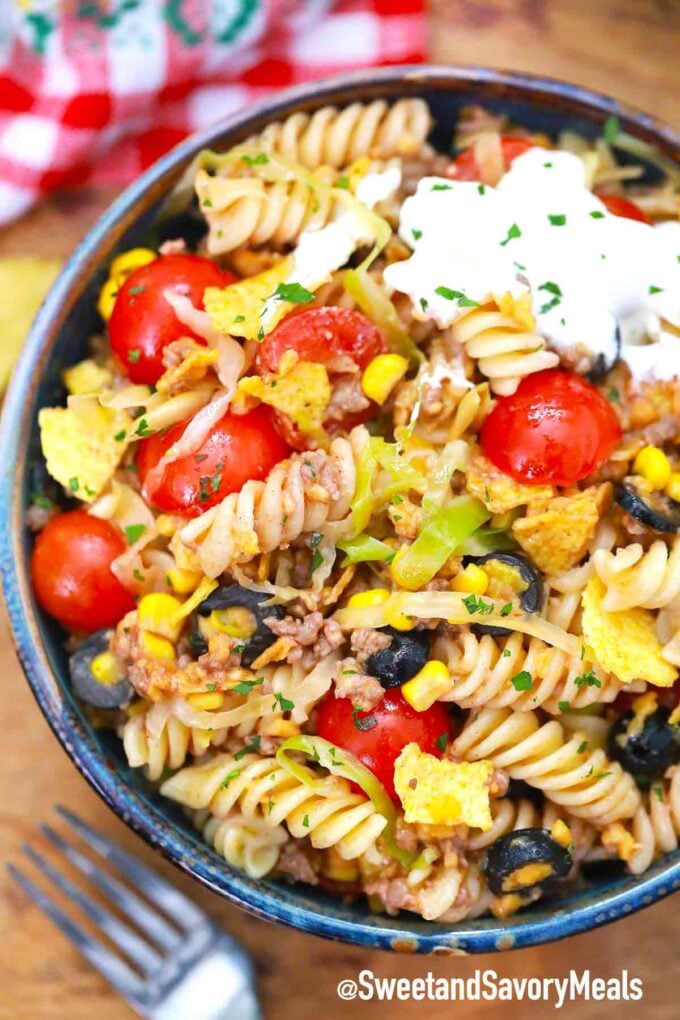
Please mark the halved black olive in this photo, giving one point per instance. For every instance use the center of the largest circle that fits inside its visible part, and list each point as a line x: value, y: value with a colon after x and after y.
x: 651, y: 508
x: 511, y: 574
x: 602, y: 872
x: 85, y: 684
x: 235, y: 597
x: 526, y: 861
x: 406, y: 654
x: 645, y: 753
x: 605, y: 361
x: 519, y: 790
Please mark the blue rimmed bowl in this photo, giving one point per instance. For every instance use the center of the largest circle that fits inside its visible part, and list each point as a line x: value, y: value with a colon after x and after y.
x: 59, y: 338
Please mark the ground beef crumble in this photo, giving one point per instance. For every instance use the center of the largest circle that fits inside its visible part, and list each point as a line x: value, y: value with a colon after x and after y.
x: 364, y: 691
x: 315, y: 637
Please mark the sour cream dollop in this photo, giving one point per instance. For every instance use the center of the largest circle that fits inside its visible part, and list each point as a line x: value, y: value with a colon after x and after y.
x: 542, y: 230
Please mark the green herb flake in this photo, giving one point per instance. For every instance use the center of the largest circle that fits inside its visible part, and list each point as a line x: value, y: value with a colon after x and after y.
x: 133, y: 532
x: 506, y: 653
x: 611, y: 129
x: 240, y: 318
x: 73, y: 484
x: 522, y: 681
x: 614, y: 395
x: 423, y: 303
x: 258, y: 160
x: 120, y: 436
x: 229, y: 778
x: 305, y: 821
x: 655, y: 290
x: 557, y: 219
x: 481, y: 189
x: 563, y: 706
x: 133, y: 356
x: 582, y: 748
x: 552, y: 288
x: 588, y: 679
x: 658, y: 792
x: 456, y: 295
x: 246, y: 686
x: 285, y: 704
x: 44, y: 502
x: 139, y: 289
x: 254, y: 745
x: 365, y: 723
x: 473, y: 604
x: 143, y: 429
x: 601, y: 775
x: 597, y: 215
x: 440, y: 187
x: 138, y: 575
x: 513, y: 232
x: 417, y: 234
x: 211, y: 687
x: 343, y: 183
x: 507, y: 609
x: 441, y: 742
x: 548, y: 166
x: 293, y: 292
x: 317, y: 560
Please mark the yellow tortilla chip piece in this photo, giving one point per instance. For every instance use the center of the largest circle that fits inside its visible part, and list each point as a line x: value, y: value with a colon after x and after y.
x: 192, y: 369
x: 498, y: 491
x: 440, y: 792
x: 86, y: 377
x: 302, y: 392
x: 79, y: 444
x: 24, y: 282
x: 624, y: 643
x: 237, y: 309
x: 556, y: 533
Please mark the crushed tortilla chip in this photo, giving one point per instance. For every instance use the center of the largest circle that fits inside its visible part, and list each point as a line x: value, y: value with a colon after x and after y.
x: 191, y: 370
x: 79, y: 444
x: 556, y: 533
x: 237, y: 309
x: 498, y: 491
x: 24, y: 282
x: 86, y: 377
x: 440, y: 792
x: 625, y: 642
x: 302, y: 391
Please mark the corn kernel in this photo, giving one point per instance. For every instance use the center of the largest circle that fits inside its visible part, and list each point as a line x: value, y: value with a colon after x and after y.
x: 561, y: 833
x: 616, y: 838
x: 278, y: 727
x: 128, y: 261
x: 381, y: 376
x: 210, y: 701
x: 234, y: 621
x: 107, y: 297
x: 372, y: 597
x: 401, y: 621
x: 183, y: 581
x: 673, y: 487
x: 338, y: 869
x: 654, y: 466
x: 156, y: 647
x: 427, y: 686
x: 156, y: 612
x: 473, y: 579
x: 106, y: 668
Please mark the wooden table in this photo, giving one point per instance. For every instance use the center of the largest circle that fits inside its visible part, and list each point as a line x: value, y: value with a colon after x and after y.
x: 628, y: 48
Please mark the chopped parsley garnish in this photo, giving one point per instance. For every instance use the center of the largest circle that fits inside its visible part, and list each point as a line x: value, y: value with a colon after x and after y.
x: 143, y: 429
x: 139, y: 289
x: 519, y: 266
x: 229, y: 778
x: 522, y: 681
x: 441, y: 742
x: 601, y: 775
x: 305, y: 821
x: 614, y: 395
x: 658, y: 791
x: 548, y: 166
x: 581, y: 749
x: 133, y: 532
x: 481, y: 188
x: 246, y: 686
x: 285, y: 704
x: 73, y: 484
x: 293, y: 292
x: 342, y: 182
x: 563, y: 706
x: 349, y: 672
x: 588, y: 678
x: 597, y: 215
x: 611, y: 129
x: 507, y: 609
x: 133, y: 356
x: 417, y: 234
x: 473, y: 604
x: 258, y: 160
x: 207, y: 203
x: 557, y: 219
x: 506, y: 653
x: 440, y: 187
x: 138, y: 575
x: 456, y: 295
x: 120, y: 436
x: 367, y: 723
x: 655, y: 290
x: 317, y: 560
x: 424, y: 303
x: 254, y: 745
x: 556, y: 291
x: 260, y: 333
x: 513, y: 232
x: 240, y: 318
x: 44, y: 502
x: 211, y: 687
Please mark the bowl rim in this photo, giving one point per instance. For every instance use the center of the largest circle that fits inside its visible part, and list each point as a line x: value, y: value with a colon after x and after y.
x: 131, y: 807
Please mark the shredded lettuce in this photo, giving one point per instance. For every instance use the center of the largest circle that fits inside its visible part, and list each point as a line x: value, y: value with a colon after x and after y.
x: 364, y: 548
x: 443, y: 531
x: 374, y: 301
x: 374, y: 490
x: 341, y: 763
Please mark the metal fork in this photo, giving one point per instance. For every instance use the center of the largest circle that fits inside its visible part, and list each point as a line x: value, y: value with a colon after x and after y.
x: 189, y: 969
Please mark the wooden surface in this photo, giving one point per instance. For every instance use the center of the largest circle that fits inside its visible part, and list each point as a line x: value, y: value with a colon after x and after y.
x: 627, y: 48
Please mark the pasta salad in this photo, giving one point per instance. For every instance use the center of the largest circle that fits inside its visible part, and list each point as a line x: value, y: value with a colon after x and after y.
x: 364, y: 507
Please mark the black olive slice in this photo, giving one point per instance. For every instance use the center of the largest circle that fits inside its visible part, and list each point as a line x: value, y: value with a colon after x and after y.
x: 235, y: 597
x: 646, y: 752
x: 405, y: 656
x: 85, y: 684
x: 605, y: 361
x: 522, y: 577
x: 525, y: 862
x: 653, y: 509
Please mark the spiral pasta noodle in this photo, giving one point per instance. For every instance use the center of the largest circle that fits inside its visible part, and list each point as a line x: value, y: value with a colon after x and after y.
x: 328, y: 812
x: 268, y: 515
x: 482, y: 670
x: 508, y: 816
x: 336, y: 138
x: 167, y: 749
x: 505, y: 350
x: 634, y: 577
x: 248, y: 844
x: 583, y: 781
x: 656, y: 824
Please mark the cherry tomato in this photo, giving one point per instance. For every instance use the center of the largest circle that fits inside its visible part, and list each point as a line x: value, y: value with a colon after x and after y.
x: 396, y: 725
x: 466, y: 161
x: 619, y: 206
x: 237, y: 449
x: 143, y: 322
x: 71, y: 572
x: 323, y: 335
x: 555, y: 429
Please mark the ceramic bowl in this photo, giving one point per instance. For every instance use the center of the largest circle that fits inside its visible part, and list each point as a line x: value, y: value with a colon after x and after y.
x: 59, y: 338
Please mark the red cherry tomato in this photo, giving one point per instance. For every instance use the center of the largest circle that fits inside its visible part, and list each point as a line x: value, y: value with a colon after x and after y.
x: 555, y: 429
x: 396, y: 725
x: 143, y: 322
x: 323, y: 335
x: 237, y: 449
x: 466, y: 165
x: 71, y: 572
x: 619, y: 206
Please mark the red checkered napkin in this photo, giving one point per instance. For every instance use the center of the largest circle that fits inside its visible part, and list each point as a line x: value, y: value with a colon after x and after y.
x: 93, y: 92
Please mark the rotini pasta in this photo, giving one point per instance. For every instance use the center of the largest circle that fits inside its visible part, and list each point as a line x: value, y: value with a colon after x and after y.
x: 376, y: 533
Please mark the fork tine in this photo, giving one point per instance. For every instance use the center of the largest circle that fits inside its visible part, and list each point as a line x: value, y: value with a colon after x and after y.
x: 115, y: 970
x: 135, y: 948
x: 177, y: 906
x: 150, y: 922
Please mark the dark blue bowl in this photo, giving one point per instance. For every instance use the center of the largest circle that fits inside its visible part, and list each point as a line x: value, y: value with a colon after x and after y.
x: 59, y: 338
